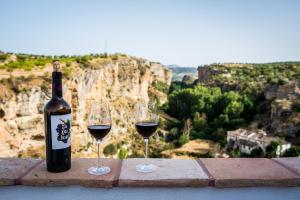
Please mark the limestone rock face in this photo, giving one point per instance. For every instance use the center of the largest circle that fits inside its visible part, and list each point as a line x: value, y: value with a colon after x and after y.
x: 289, y: 90
x: 205, y: 73
x: 284, y: 121
x: 122, y: 83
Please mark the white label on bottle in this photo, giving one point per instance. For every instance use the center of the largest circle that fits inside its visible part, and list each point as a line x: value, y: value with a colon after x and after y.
x: 61, y: 131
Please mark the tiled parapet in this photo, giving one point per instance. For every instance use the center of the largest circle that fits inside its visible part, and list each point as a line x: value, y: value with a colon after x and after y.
x: 219, y: 172
x: 169, y: 173
x: 249, y: 172
x: 12, y: 170
x: 77, y: 175
x: 292, y: 164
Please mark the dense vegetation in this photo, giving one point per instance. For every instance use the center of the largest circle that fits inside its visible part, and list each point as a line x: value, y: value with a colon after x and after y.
x: 160, y: 86
x: 212, y: 111
x: 231, y: 99
x: 10, y: 61
x: 251, y: 77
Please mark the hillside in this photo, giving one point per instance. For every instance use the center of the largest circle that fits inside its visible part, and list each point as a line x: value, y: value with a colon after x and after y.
x: 279, y: 84
x: 119, y: 79
x: 231, y: 96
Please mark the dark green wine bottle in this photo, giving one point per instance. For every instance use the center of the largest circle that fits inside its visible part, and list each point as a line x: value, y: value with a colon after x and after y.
x: 57, y: 115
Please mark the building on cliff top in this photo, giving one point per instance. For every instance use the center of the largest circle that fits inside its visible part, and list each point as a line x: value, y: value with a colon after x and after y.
x: 247, y: 141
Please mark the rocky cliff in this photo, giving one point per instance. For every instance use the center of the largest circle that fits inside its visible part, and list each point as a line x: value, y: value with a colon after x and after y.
x: 285, y: 119
x: 122, y: 82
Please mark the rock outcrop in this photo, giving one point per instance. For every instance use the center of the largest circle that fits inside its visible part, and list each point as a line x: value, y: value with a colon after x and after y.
x: 285, y: 122
x: 205, y: 73
x: 289, y: 90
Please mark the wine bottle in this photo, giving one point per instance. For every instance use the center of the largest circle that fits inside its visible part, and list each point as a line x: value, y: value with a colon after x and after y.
x: 57, y: 115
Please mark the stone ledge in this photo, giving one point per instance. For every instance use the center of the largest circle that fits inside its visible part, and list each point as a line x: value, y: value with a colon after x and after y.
x: 77, y: 175
x: 13, y: 169
x: 170, y: 173
x: 229, y: 172
x: 293, y: 164
x: 249, y: 172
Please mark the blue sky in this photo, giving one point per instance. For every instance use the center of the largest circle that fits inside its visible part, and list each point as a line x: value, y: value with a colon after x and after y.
x: 186, y: 32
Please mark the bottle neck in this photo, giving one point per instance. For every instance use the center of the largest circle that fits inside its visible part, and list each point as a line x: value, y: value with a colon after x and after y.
x: 56, y: 84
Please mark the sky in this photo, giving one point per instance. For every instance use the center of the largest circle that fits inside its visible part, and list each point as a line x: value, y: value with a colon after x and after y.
x: 182, y: 32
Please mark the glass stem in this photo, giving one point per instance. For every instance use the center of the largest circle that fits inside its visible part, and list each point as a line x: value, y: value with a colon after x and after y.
x: 98, y: 144
x: 146, y: 148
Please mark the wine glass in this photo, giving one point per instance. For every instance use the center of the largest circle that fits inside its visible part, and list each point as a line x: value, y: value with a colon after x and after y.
x: 146, y: 123
x: 99, y: 125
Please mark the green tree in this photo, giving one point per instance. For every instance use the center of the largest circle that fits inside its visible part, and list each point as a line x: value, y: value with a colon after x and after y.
x: 184, y: 138
x: 183, y: 103
x: 234, y: 109
x: 271, y: 149
x: 257, y: 153
x: 294, y: 151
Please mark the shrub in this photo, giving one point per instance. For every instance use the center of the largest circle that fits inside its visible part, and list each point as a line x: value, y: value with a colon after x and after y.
x: 173, y: 135
x: 235, y: 153
x: 83, y: 61
x: 257, y: 153
x: 209, y: 154
x: 296, y: 105
x: 184, y: 138
x: 122, y: 153
x: 271, y: 149
x: 292, y: 152
x: 114, y: 57
x: 67, y: 72
x: 3, y: 57
x: 110, y: 150
x: 160, y: 86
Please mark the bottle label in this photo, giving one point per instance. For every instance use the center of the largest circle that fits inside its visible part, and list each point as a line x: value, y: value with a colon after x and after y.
x: 61, y: 131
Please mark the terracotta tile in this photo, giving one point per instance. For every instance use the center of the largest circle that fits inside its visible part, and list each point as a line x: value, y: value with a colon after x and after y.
x: 170, y: 173
x: 249, y: 172
x: 292, y: 164
x: 77, y: 175
x: 12, y: 169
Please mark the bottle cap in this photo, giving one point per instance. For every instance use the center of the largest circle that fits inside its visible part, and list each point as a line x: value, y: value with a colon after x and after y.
x: 56, y: 66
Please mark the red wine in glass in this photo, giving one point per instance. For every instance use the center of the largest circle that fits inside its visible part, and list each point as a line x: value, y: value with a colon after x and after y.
x: 146, y: 123
x: 146, y: 129
x: 99, y: 131
x: 99, y: 125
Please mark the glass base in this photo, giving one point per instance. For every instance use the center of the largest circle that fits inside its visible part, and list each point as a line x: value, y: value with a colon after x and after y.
x: 145, y: 168
x: 99, y: 170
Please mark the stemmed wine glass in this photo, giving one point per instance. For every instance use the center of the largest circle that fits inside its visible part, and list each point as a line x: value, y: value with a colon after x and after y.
x: 99, y: 125
x: 146, y: 123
